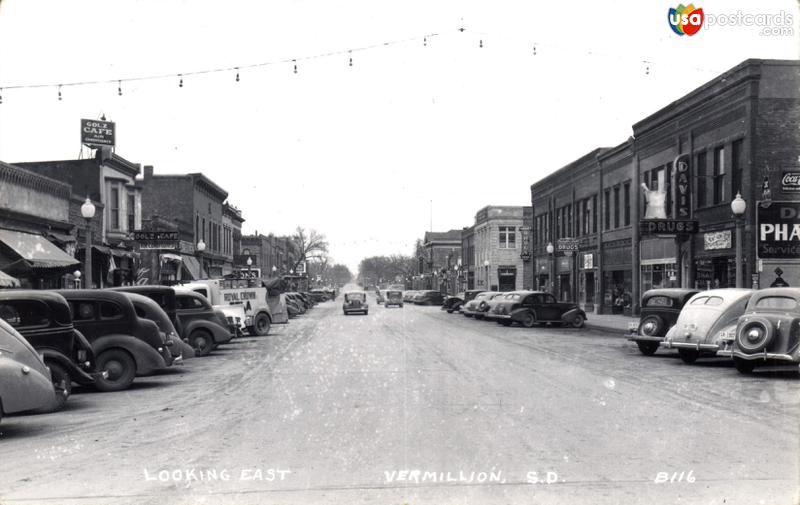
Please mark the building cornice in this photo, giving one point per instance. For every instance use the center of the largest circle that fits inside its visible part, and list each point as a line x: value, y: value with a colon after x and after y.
x: 13, y: 174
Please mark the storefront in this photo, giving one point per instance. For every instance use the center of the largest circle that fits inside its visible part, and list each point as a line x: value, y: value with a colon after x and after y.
x: 778, y: 245
x: 543, y: 273
x: 35, y: 261
x: 588, y: 282
x: 564, y: 277
x: 507, y: 278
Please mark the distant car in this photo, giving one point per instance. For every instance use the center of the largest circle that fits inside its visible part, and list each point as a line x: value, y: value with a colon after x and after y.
x: 380, y: 296
x: 319, y: 295
x: 455, y: 302
x: 768, y: 331
x: 44, y: 319
x: 25, y: 382
x: 706, y: 322
x: 125, y: 344
x: 475, y: 307
x: 660, y: 310
x: 393, y: 298
x: 529, y: 308
x: 203, y: 327
x: 429, y: 297
x: 408, y: 296
x: 355, y: 302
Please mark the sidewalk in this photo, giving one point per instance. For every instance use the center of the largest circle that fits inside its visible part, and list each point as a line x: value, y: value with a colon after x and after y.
x: 610, y: 323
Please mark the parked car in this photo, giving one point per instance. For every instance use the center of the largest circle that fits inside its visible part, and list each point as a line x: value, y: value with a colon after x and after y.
x: 393, y: 298
x: 164, y: 296
x: 453, y: 303
x: 660, y: 310
x: 429, y: 297
x: 203, y: 327
x: 706, y: 321
x: 25, y: 382
x: 529, y: 308
x: 319, y: 295
x: 148, y: 309
x: 294, y: 308
x: 471, y: 308
x: 125, y: 344
x: 768, y: 332
x: 408, y: 296
x: 486, y: 304
x: 355, y: 301
x: 44, y: 319
x: 379, y: 296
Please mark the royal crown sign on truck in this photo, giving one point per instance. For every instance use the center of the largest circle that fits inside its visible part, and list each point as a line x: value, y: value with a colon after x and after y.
x: 260, y: 309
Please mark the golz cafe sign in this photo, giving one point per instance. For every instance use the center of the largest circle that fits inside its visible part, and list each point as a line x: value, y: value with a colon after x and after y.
x: 779, y: 230
x: 157, y: 240
x: 95, y: 133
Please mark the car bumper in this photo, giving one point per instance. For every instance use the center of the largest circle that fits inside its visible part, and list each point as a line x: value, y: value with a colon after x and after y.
x: 644, y: 338
x: 763, y: 356
x: 498, y: 316
x: 695, y: 346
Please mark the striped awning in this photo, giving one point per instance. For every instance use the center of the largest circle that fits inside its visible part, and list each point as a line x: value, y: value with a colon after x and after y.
x: 6, y: 281
x: 33, y: 252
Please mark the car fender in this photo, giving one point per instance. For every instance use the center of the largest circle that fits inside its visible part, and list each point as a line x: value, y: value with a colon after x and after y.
x: 75, y: 372
x: 517, y: 314
x: 220, y: 334
x: 147, y: 359
x: 569, y: 315
x: 24, y: 391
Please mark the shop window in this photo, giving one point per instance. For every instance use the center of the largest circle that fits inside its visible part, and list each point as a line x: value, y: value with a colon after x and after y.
x: 618, y: 288
x: 701, y: 179
x: 719, y: 175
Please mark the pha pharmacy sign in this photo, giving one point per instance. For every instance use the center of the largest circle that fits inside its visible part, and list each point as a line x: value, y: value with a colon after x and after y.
x: 779, y: 230
x: 95, y: 133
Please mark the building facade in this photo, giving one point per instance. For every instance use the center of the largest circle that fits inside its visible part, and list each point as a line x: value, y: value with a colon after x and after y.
x: 467, y: 270
x: 655, y: 211
x: 438, y: 261
x: 499, y: 247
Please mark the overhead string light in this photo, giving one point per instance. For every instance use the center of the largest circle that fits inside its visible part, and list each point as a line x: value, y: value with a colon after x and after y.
x: 59, y: 92
x: 1, y: 96
x: 425, y: 41
x: 534, y: 49
x: 119, y: 88
x: 237, y: 74
x: 647, y: 68
x: 480, y: 43
x: 350, y: 54
x: 294, y: 62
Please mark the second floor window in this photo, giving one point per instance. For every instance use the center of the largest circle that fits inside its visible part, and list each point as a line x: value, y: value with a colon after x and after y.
x: 114, y: 208
x: 508, y: 237
x: 719, y: 175
x: 131, y: 212
x: 701, y: 179
x: 616, y: 207
x: 626, y: 207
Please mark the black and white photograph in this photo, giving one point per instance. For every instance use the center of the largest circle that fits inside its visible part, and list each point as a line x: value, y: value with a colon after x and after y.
x: 293, y: 252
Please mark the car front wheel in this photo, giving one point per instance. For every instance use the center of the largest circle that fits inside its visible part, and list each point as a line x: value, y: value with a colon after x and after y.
x: 528, y: 320
x: 688, y: 355
x: 577, y: 321
x: 202, y: 342
x: 121, y: 369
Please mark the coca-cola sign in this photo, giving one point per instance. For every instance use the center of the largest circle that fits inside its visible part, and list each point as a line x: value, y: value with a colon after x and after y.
x: 790, y: 182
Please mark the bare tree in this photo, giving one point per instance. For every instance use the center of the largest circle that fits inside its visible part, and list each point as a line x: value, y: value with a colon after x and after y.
x: 309, y: 245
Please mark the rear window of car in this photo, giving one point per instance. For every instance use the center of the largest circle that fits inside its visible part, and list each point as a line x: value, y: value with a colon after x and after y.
x: 354, y: 296
x: 82, y: 311
x: 708, y: 300
x: 660, y: 301
x: 776, y: 302
x: 189, y: 302
x: 513, y: 297
x: 110, y: 310
x: 24, y: 313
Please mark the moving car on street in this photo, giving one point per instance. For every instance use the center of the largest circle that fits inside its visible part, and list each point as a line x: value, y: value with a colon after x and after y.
x: 393, y: 298
x: 768, y: 331
x: 355, y: 302
x: 660, y: 310
x: 25, y: 382
x: 706, y: 322
x: 529, y: 308
x: 125, y: 344
x: 44, y: 319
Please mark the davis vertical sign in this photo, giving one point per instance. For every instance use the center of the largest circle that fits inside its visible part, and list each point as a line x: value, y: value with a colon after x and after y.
x: 95, y: 133
x: 683, y: 187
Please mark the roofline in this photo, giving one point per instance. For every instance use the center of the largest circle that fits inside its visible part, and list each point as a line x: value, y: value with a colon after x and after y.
x: 593, y: 154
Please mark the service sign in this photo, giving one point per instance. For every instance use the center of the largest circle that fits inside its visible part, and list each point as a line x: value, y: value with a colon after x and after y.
x: 779, y: 230
x: 157, y: 239
x: 683, y: 187
x: 95, y: 133
x: 667, y: 226
x: 567, y: 244
x: 790, y: 182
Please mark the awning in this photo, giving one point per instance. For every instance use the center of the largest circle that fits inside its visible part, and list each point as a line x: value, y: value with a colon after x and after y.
x: 170, y: 257
x: 191, y: 266
x: 6, y: 281
x: 60, y: 237
x: 113, y: 251
x: 34, y: 251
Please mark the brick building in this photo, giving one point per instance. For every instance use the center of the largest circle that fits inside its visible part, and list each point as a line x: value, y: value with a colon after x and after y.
x: 655, y: 211
x: 499, y: 246
x: 468, y: 265
x: 440, y: 253
x: 266, y: 252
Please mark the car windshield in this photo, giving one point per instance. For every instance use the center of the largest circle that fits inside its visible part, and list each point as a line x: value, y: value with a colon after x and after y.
x: 776, y: 303
x: 513, y: 297
x: 351, y: 297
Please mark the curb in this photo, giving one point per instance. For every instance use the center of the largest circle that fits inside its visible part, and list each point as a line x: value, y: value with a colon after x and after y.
x: 622, y: 332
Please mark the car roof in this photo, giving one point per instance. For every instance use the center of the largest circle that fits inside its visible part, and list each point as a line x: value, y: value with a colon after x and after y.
x: 94, y: 294
x: 792, y: 292
x: 355, y: 292
x: 38, y: 294
x: 141, y: 288
x: 672, y: 292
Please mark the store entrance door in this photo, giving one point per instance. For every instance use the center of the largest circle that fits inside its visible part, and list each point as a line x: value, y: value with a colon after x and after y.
x: 507, y: 279
x: 590, y: 289
x: 564, y: 288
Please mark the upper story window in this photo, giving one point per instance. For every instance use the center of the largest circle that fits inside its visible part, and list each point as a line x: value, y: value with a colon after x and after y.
x: 626, y: 206
x: 701, y: 179
x: 508, y: 237
x: 607, y: 209
x: 719, y: 175
x: 131, y: 211
x: 114, y: 209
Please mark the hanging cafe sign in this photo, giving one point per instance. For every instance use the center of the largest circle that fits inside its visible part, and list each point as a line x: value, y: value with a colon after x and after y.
x: 157, y: 240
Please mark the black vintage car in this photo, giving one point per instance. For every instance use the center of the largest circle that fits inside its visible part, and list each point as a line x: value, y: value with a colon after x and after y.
x: 660, y: 310
x: 768, y: 331
x: 203, y: 327
x: 147, y: 308
x: 125, y: 344
x: 529, y: 308
x: 429, y: 297
x: 44, y: 319
x: 453, y: 303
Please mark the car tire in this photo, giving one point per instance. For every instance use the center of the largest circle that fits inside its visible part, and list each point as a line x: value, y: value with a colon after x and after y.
x: 62, y: 383
x: 366, y: 312
x: 657, y: 321
x: 121, y: 368
x: 528, y: 320
x: 506, y: 322
x: 202, y: 342
x: 449, y: 311
x: 578, y: 321
x: 688, y: 355
x: 744, y: 366
x: 261, y: 324
x: 647, y: 348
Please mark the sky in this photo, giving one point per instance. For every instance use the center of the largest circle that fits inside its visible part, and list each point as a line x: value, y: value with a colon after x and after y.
x: 424, y: 131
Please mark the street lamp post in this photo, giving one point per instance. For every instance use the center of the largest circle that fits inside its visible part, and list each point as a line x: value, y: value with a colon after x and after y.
x: 274, y: 270
x: 486, y: 265
x: 249, y: 273
x: 77, y: 282
x: 201, y: 246
x: 87, y: 211
x: 552, y: 274
x: 738, y: 207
